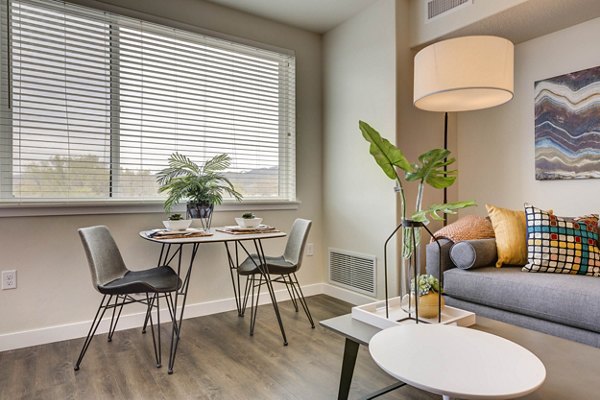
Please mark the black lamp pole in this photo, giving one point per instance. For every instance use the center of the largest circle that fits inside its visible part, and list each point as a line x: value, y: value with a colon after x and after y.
x: 445, y: 166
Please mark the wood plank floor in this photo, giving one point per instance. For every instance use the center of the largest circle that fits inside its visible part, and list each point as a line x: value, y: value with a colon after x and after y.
x: 217, y: 359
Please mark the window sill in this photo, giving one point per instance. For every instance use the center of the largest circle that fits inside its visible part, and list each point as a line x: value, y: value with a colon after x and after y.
x: 35, y: 209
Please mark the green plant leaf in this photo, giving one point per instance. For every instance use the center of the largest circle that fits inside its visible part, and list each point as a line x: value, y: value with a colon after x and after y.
x: 435, y: 210
x: 430, y: 169
x: 218, y: 163
x: 185, y: 180
x: 385, y: 153
x: 179, y: 165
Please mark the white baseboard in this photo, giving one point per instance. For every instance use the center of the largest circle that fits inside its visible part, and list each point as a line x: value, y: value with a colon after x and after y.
x: 346, y: 295
x: 57, y: 333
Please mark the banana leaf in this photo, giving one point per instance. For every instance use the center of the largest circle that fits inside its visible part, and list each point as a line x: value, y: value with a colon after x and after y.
x: 387, y: 156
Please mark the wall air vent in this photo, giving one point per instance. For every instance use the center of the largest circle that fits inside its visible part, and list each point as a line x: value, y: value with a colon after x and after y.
x: 439, y: 8
x: 353, y: 271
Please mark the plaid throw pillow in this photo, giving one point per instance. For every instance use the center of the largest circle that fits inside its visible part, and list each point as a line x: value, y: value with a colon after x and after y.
x: 562, y: 245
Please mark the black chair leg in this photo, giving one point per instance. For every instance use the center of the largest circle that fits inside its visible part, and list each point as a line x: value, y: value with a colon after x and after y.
x: 158, y: 364
x: 254, y: 308
x: 290, y: 291
x: 155, y: 344
x: 172, y: 314
x: 246, y: 296
x: 92, y: 331
x: 115, y: 316
x: 148, y: 311
x: 296, y: 287
x: 269, y: 284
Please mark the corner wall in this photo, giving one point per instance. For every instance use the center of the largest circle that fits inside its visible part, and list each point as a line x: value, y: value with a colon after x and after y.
x: 359, y: 203
x: 496, y: 146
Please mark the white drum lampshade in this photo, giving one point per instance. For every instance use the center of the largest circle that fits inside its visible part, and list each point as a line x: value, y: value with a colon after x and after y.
x: 464, y: 74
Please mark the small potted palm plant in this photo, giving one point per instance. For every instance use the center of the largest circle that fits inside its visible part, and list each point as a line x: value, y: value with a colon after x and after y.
x: 201, y: 186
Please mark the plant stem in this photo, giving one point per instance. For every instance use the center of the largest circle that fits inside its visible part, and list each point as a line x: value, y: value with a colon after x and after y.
x: 402, y: 196
x: 406, y: 248
x: 420, y: 195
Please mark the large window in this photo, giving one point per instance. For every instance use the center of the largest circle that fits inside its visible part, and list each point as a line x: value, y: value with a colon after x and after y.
x: 94, y: 103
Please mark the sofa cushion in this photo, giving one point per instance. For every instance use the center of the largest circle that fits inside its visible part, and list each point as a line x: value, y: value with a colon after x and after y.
x: 469, y: 227
x: 562, y: 245
x: 509, y: 228
x: 572, y: 300
x: 473, y: 253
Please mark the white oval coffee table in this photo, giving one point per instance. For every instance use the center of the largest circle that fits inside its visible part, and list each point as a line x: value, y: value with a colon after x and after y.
x: 457, y: 362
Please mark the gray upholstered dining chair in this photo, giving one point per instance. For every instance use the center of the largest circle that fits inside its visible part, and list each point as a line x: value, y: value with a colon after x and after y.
x: 281, y: 269
x: 118, y: 285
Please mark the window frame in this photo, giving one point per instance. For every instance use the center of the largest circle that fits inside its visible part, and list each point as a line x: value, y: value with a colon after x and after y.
x: 12, y: 206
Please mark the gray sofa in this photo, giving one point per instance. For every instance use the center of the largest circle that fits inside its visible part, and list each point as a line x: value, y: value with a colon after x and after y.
x: 562, y: 305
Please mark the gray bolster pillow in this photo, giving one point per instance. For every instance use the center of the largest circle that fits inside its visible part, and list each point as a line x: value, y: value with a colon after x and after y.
x: 474, y: 253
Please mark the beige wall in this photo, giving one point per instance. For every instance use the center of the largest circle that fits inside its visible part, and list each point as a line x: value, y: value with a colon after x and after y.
x: 359, y: 84
x: 496, y: 146
x: 53, y: 280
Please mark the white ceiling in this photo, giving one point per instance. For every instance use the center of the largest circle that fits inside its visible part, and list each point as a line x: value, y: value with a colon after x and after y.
x: 314, y: 15
x: 531, y: 19
x: 534, y: 18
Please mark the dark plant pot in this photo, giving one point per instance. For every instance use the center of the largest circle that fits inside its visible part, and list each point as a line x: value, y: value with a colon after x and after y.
x: 202, y: 212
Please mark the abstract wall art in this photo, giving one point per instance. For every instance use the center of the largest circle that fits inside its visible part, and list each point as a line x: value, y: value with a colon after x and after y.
x: 567, y: 126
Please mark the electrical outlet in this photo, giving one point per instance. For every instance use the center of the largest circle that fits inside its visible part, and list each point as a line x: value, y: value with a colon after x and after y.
x: 310, y: 249
x: 9, y: 280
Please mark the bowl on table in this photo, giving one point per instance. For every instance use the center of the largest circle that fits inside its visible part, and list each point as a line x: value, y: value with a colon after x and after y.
x: 179, y: 225
x: 248, y: 222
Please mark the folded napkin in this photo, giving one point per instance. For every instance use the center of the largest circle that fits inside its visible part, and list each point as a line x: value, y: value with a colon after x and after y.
x: 188, y: 233
x: 238, y: 230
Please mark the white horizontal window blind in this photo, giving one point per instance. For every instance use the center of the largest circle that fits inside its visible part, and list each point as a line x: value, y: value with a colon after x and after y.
x: 94, y: 103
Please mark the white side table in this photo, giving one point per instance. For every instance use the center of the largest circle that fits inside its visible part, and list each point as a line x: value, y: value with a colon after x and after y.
x: 457, y: 362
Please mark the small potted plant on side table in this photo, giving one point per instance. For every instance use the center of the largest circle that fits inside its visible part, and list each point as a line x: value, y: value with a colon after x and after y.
x: 429, y: 295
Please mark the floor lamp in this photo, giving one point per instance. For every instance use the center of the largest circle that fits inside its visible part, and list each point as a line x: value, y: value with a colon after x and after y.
x: 463, y: 74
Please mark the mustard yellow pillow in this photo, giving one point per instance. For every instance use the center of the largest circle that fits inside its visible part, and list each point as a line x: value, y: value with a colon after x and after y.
x: 511, y: 235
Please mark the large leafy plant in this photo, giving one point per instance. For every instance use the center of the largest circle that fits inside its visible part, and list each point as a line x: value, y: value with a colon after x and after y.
x: 429, y: 170
x: 183, y: 179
